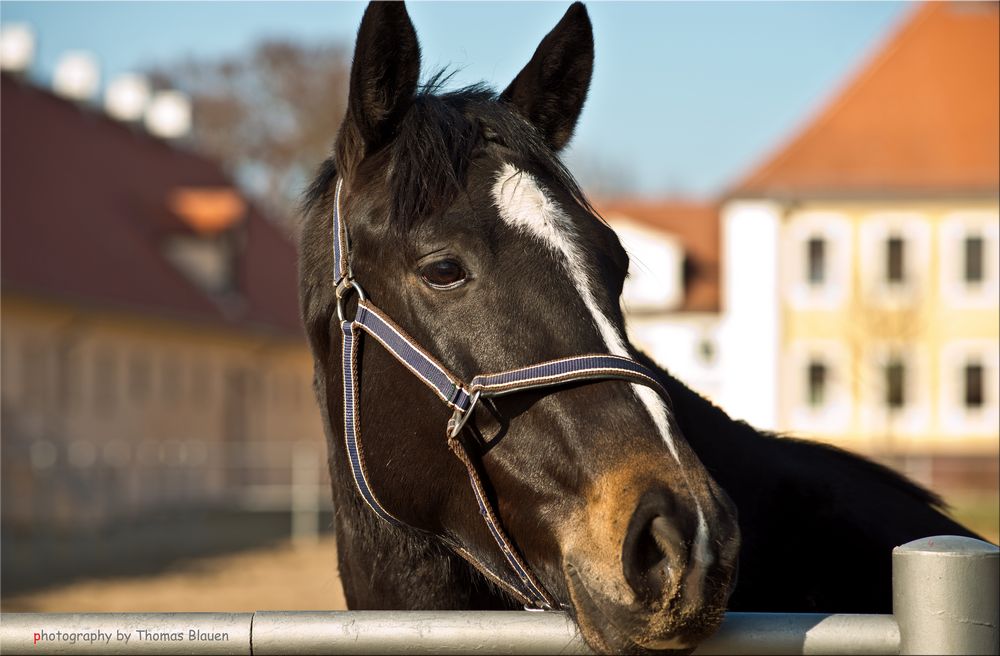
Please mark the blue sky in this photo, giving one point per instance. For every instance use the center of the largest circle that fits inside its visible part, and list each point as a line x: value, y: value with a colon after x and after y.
x: 686, y: 96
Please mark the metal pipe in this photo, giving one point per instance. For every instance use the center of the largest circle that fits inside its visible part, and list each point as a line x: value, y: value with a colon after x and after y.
x: 946, y: 596
x: 416, y: 632
x: 411, y: 632
x: 803, y: 633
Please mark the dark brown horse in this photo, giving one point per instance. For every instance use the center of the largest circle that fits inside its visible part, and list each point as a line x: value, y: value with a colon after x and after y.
x: 467, y: 230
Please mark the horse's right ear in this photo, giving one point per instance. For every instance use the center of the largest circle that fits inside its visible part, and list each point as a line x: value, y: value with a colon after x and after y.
x: 384, y: 78
x: 551, y: 89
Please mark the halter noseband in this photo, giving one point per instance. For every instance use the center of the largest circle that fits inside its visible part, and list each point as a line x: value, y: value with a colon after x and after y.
x: 462, y: 399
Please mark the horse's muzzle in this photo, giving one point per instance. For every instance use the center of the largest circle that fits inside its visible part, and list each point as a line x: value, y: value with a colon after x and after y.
x: 656, y: 579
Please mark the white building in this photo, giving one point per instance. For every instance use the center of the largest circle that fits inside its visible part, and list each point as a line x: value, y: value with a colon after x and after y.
x: 861, y: 260
x: 671, y: 296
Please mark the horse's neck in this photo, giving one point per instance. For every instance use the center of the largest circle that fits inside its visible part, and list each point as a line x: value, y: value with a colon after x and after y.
x: 383, y: 567
x: 718, y: 440
x: 736, y: 453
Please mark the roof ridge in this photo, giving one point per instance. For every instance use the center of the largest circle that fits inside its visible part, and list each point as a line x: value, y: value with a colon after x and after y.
x: 97, y: 112
x: 103, y: 229
x: 822, y: 111
x: 816, y: 153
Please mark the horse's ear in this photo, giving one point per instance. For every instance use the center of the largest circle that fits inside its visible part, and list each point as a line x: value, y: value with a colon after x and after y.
x: 551, y: 89
x: 384, y: 76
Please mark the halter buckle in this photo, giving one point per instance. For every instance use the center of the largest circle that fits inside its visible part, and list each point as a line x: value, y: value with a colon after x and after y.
x: 459, y: 417
x: 343, y: 292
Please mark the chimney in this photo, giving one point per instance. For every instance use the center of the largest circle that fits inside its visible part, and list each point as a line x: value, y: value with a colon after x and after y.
x: 77, y: 76
x: 168, y: 115
x: 17, y: 48
x: 127, y: 97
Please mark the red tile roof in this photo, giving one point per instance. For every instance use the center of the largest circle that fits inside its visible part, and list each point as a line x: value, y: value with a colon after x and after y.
x: 85, y: 207
x: 696, y: 226
x: 922, y: 115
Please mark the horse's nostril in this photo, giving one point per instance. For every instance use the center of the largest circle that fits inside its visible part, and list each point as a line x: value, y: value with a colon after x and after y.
x: 667, y: 539
x: 655, y: 554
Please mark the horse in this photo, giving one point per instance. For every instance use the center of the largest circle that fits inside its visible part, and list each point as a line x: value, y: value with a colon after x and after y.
x: 446, y: 227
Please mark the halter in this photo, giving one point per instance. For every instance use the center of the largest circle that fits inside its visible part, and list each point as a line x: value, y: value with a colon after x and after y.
x: 462, y: 399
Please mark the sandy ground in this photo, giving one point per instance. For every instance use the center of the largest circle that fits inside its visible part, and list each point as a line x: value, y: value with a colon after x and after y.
x: 284, y: 577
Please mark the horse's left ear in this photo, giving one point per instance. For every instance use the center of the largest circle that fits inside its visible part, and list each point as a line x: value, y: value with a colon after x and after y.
x: 384, y: 77
x: 551, y: 89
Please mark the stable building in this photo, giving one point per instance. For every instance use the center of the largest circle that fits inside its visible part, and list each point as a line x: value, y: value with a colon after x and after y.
x: 150, y: 326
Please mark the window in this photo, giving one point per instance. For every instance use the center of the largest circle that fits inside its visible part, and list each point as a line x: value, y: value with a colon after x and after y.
x: 818, y: 402
x: 34, y: 371
x: 706, y: 350
x: 974, y: 378
x: 895, y: 384
x: 816, y: 255
x: 139, y: 377
x: 171, y: 380
x: 969, y: 393
x: 816, y: 260
x: 974, y: 268
x: 816, y: 383
x: 201, y: 384
x: 68, y: 380
x: 105, y: 381
x: 895, y: 250
x: 895, y: 260
x: 969, y: 275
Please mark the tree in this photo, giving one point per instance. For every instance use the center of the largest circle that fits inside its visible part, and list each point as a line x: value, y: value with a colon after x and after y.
x: 269, y: 117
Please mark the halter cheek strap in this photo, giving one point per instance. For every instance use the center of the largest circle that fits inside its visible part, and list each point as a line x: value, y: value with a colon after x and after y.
x: 461, y: 398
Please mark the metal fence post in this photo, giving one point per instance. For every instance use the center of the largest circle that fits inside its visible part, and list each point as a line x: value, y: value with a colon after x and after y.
x: 946, y: 596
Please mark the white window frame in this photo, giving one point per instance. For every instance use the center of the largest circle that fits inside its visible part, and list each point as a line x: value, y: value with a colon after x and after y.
x: 835, y: 229
x: 914, y: 418
x: 955, y: 418
x: 835, y: 416
x: 954, y: 228
x: 915, y: 230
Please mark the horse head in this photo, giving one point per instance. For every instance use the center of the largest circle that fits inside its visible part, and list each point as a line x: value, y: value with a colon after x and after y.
x: 469, y: 233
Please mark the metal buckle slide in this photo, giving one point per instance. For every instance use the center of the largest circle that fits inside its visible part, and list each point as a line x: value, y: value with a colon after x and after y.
x: 343, y: 293
x: 459, y: 417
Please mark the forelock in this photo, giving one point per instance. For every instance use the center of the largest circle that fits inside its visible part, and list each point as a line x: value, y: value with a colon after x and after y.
x: 428, y: 162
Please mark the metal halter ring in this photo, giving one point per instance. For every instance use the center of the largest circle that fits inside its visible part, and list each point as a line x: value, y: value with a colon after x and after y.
x: 343, y: 293
x: 459, y: 417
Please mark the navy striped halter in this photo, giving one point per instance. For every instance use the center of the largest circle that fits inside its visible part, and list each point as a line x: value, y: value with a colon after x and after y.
x: 462, y: 399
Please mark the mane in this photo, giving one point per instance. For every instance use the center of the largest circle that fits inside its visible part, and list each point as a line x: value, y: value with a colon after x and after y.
x: 854, y: 463
x: 428, y: 161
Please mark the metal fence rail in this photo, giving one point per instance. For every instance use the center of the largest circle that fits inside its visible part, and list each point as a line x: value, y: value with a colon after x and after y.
x: 945, y: 597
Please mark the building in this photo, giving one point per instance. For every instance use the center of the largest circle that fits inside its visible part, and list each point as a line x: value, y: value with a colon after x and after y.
x: 861, y: 259
x: 671, y: 295
x: 150, y: 326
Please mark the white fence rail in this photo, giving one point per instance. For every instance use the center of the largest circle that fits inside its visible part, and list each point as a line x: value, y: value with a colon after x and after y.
x: 946, y: 597
x: 74, y: 484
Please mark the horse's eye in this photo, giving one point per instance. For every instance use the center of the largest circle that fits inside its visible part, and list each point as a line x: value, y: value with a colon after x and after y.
x: 443, y: 274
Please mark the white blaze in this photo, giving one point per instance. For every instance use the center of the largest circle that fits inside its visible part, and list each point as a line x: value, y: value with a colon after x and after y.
x: 524, y: 206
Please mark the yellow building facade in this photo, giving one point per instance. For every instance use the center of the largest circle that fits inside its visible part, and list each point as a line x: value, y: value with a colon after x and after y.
x: 889, y: 325
x: 861, y: 260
